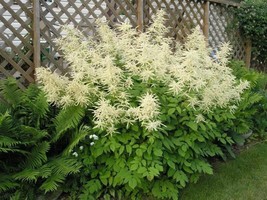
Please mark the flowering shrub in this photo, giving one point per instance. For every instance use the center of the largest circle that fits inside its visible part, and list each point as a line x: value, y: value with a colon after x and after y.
x: 157, y: 106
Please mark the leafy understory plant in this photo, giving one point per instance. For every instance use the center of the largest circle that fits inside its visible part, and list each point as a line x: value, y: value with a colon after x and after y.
x: 157, y: 104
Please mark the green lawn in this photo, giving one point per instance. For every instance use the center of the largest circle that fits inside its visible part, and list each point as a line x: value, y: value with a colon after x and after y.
x: 244, y: 178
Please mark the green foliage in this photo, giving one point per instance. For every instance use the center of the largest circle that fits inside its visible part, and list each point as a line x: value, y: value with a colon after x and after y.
x: 69, y: 117
x: 252, y: 21
x: 143, y: 126
x: 26, y: 164
x: 136, y: 163
x: 251, y: 113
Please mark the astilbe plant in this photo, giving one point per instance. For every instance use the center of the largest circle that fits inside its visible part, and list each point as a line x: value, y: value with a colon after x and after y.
x: 102, y: 72
x: 156, y: 102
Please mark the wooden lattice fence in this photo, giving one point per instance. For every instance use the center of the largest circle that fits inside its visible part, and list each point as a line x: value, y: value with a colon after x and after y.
x: 28, y: 28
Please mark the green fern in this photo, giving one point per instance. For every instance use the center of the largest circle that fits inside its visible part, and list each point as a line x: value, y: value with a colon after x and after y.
x: 7, y: 183
x: 64, y: 165
x: 52, y: 183
x: 31, y: 134
x: 6, y: 125
x: 61, y: 167
x: 68, y: 118
x: 76, y: 138
x: 30, y: 163
x: 16, y: 196
x: 38, y: 155
x: 29, y: 175
x: 10, y: 92
x: 38, y: 103
x: 13, y: 150
x: 8, y: 142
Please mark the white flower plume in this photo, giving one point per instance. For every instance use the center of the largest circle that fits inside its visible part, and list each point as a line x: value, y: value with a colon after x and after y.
x: 103, y: 74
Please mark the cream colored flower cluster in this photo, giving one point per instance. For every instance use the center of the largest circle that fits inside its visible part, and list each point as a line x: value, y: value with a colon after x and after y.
x: 103, y: 71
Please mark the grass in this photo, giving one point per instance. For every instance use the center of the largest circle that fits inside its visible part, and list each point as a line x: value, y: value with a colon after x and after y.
x: 239, y: 179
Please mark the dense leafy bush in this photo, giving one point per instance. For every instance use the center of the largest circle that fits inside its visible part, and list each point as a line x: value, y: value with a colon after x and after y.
x: 252, y: 110
x: 153, y: 114
x: 252, y: 21
x: 27, y: 168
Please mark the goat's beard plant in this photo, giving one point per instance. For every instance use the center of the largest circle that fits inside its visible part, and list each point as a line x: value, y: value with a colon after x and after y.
x: 135, y: 83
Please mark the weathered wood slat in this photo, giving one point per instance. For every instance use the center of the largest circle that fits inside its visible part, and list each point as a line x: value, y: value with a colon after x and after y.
x: 17, y: 50
x: 128, y: 12
x: 16, y: 15
x: 36, y: 35
x: 26, y: 6
x: 16, y: 33
x: 84, y: 19
x: 16, y: 66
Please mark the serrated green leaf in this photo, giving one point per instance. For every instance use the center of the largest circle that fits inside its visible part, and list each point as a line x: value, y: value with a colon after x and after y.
x: 139, y: 152
x: 159, y: 167
x: 132, y: 183
x: 135, y: 128
x: 134, y: 167
x: 218, y: 119
x: 129, y: 149
x: 171, y: 111
x: 171, y: 164
x: 121, y: 150
x: 112, y: 147
x: 192, y: 125
x: 157, y: 152
x: 141, y: 170
x: 179, y: 110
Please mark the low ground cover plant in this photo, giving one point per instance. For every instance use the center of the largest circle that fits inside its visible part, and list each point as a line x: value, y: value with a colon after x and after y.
x: 141, y: 117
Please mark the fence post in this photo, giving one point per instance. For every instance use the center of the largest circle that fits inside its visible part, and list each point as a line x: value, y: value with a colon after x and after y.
x: 206, y: 19
x: 140, y: 15
x: 36, y: 35
x: 248, y: 47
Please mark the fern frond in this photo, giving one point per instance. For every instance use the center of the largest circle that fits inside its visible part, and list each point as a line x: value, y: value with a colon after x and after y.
x: 7, y: 183
x: 3, y: 106
x: 16, y: 196
x: 77, y: 137
x: 255, y: 98
x: 13, y: 150
x: 6, y: 126
x: 45, y: 171
x: 11, y: 92
x: 64, y: 165
x: 52, y: 183
x: 8, y: 142
x: 33, y: 133
x: 38, y: 104
x: 68, y: 118
x: 31, y: 92
x: 29, y: 175
x: 38, y: 155
x: 61, y: 167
